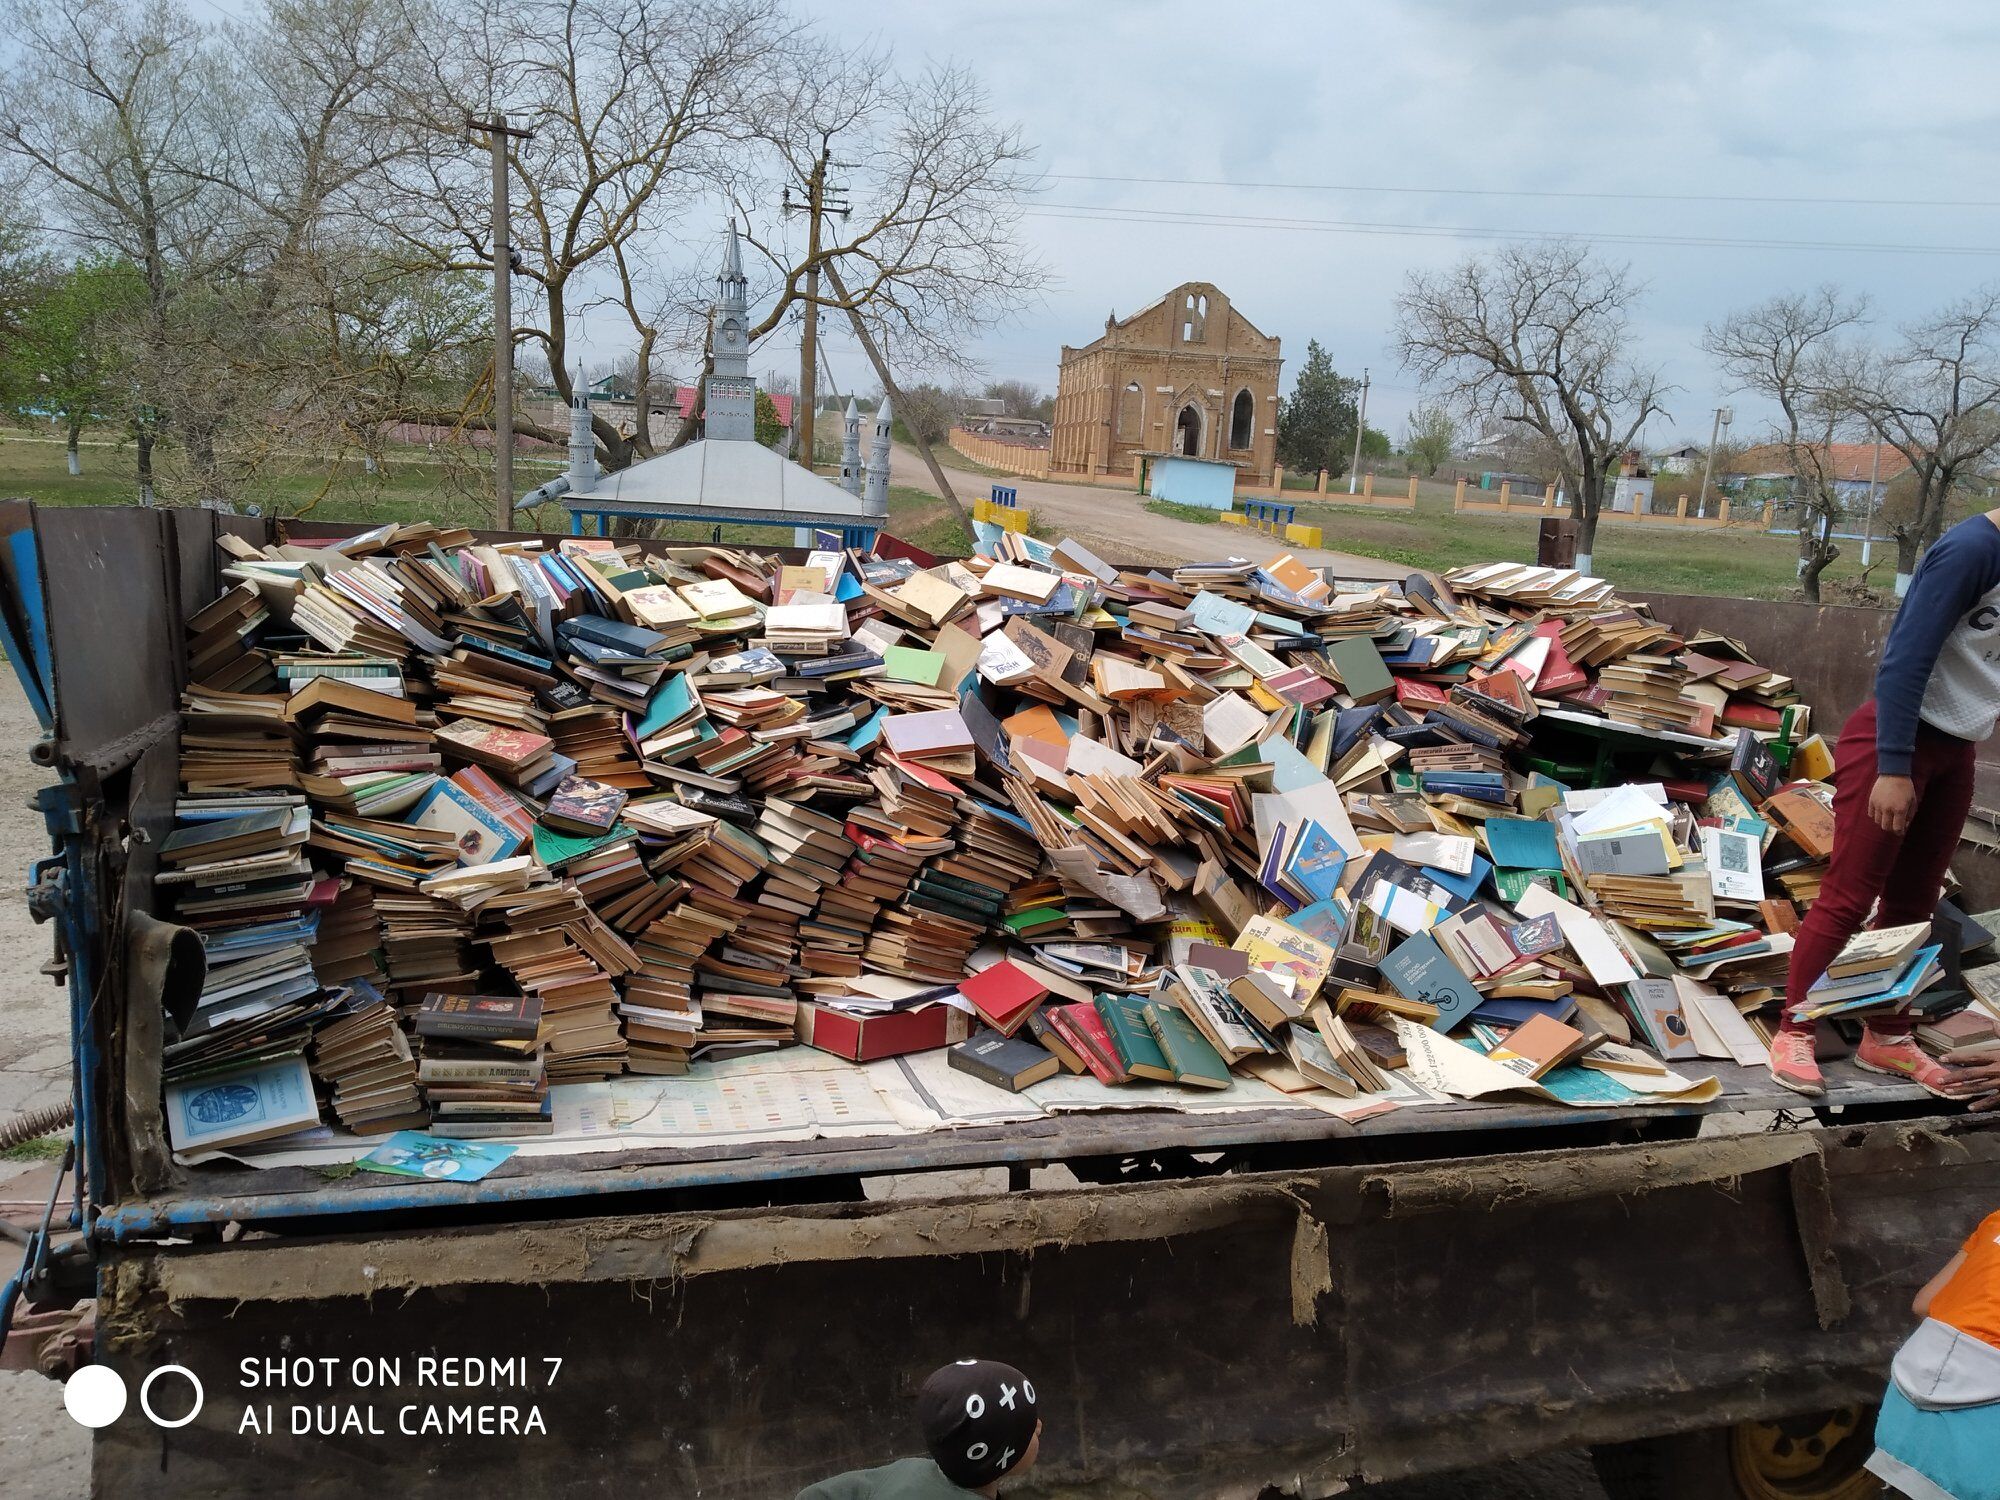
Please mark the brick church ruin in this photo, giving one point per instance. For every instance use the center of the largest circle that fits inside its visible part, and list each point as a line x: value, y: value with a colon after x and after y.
x: 1190, y: 374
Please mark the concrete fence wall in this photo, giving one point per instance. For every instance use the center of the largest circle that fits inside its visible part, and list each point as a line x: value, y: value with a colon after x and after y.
x: 1388, y: 494
x: 1024, y: 459
x: 1505, y: 504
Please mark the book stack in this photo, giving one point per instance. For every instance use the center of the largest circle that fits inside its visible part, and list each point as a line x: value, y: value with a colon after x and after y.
x: 1881, y: 972
x: 347, y: 942
x: 665, y: 794
x: 366, y: 1059
x: 236, y: 741
x: 482, y: 1065
x: 222, y: 635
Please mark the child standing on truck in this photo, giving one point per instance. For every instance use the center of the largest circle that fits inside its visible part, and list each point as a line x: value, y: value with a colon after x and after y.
x: 1902, y: 786
x: 981, y: 1427
x: 1938, y: 1434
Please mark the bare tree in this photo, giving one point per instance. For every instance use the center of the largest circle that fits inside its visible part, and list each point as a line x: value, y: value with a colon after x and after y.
x: 1787, y: 349
x: 928, y: 251
x: 1537, y: 336
x: 631, y: 105
x: 1935, y: 398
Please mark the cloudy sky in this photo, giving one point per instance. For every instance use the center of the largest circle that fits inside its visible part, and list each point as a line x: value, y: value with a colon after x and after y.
x: 1723, y: 149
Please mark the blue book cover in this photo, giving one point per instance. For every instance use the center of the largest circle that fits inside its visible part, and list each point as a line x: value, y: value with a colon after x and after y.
x: 410, y: 1153
x: 868, y: 731
x: 1523, y: 844
x: 269, y: 1099
x: 1324, y: 920
x: 1419, y: 970
x: 1465, y: 886
x: 1316, y: 862
x: 673, y: 699
x: 1514, y: 1012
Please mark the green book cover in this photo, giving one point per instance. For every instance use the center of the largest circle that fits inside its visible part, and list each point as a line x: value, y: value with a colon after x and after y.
x: 1360, y: 668
x: 1036, y: 916
x: 1188, y: 1052
x: 1124, y: 1016
x: 908, y: 664
x: 1511, y: 883
x: 553, y: 848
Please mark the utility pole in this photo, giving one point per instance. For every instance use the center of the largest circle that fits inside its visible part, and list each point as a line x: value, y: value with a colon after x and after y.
x: 815, y: 205
x: 1360, y: 426
x: 1723, y: 417
x: 498, y: 132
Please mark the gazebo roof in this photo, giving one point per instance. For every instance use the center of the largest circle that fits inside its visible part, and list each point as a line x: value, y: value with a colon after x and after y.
x: 726, y: 481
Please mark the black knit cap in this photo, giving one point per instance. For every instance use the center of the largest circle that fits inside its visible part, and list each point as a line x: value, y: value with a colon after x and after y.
x: 979, y: 1417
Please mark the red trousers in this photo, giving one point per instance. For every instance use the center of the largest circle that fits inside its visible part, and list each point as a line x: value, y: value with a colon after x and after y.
x: 1904, y: 872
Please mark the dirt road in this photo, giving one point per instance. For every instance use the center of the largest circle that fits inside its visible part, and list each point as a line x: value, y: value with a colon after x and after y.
x: 1115, y: 525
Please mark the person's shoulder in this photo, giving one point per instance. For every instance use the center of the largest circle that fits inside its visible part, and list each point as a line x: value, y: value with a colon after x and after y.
x: 905, y: 1479
x: 1975, y: 535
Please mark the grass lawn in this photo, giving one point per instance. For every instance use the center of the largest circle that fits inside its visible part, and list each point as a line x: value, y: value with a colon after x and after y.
x: 1173, y: 510
x: 410, y: 488
x: 1740, y: 562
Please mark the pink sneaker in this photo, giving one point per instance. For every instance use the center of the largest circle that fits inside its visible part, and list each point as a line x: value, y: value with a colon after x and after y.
x: 1793, y: 1065
x: 1901, y: 1057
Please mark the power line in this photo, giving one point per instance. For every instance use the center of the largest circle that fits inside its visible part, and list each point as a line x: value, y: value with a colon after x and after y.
x: 1092, y: 213
x: 1438, y: 192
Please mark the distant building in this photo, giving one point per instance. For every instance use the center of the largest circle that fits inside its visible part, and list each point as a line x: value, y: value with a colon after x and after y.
x: 1766, y: 471
x: 1681, y: 460
x: 1187, y: 375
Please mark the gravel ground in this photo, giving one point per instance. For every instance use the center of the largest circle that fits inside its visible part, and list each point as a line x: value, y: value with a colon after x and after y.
x: 43, y: 1454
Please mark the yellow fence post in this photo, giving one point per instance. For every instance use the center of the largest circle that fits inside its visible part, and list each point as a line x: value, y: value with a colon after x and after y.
x: 1413, y: 491
x: 1506, y: 494
x: 1368, y: 487
x: 1458, y: 495
x: 1681, y: 510
x: 1278, y: 477
x: 1722, y: 512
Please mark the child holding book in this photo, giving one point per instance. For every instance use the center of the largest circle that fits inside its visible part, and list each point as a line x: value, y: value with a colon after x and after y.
x: 1938, y: 1432
x: 1902, y: 786
x: 980, y: 1425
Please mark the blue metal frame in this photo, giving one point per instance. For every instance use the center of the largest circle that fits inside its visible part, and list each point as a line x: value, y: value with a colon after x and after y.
x: 862, y: 537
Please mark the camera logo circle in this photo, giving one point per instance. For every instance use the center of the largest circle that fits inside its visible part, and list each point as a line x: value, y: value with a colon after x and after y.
x: 95, y: 1396
x: 146, y: 1392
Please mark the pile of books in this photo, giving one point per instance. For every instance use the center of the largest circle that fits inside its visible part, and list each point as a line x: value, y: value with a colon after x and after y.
x: 466, y: 822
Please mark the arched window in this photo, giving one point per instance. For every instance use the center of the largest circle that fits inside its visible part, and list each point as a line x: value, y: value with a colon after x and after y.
x: 1194, y: 318
x: 1131, y: 412
x: 1243, y: 420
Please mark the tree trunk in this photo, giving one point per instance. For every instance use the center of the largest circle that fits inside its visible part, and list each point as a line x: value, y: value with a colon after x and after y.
x: 75, y: 460
x: 143, y: 439
x: 1908, y: 543
x: 1583, y: 508
x: 1821, y: 559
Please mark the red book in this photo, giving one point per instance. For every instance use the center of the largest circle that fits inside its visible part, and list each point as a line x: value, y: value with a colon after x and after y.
x: 1004, y: 996
x: 1083, y: 1028
x: 1559, y: 673
x: 1409, y: 690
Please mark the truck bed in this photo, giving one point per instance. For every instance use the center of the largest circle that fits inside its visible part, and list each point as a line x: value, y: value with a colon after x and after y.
x: 300, y: 1197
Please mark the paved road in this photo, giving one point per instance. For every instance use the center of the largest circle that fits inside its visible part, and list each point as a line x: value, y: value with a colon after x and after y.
x: 1115, y: 525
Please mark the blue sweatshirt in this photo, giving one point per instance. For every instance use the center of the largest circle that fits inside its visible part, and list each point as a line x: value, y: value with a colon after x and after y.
x: 1941, y: 665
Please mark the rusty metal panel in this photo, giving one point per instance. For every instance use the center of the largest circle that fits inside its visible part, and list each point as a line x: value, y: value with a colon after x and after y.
x: 107, y: 577
x: 1290, y: 1330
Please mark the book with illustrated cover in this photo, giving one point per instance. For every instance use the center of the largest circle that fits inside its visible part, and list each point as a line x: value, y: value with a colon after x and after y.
x: 582, y: 806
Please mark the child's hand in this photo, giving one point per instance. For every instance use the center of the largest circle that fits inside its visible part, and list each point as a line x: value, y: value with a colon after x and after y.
x: 1891, y: 802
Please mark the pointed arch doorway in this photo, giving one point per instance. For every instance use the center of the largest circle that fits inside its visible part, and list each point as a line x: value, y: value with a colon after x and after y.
x: 1187, y: 432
